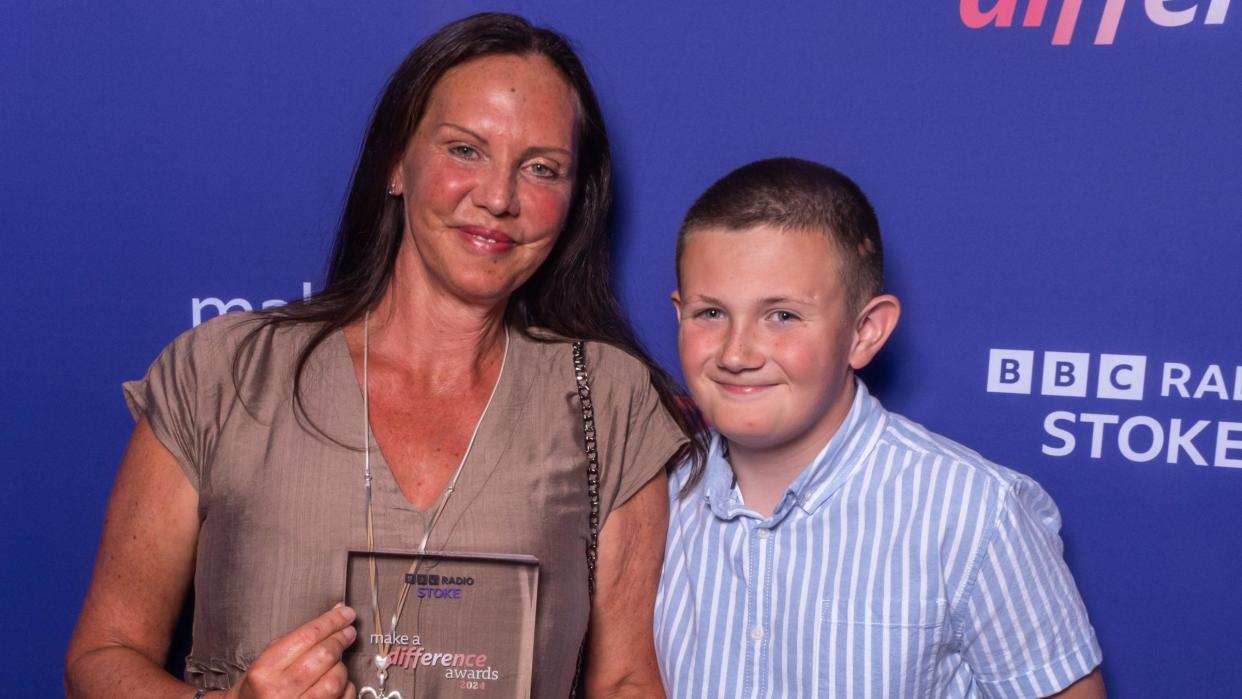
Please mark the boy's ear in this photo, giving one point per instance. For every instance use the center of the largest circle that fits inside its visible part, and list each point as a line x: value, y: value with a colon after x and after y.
x: 872, y: 327
x: 676, y: 298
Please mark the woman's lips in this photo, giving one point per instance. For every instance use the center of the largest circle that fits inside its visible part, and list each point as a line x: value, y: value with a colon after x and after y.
x: 486, y: 239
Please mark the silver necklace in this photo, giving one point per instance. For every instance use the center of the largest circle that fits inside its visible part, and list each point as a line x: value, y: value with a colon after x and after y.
x: 381, y: 657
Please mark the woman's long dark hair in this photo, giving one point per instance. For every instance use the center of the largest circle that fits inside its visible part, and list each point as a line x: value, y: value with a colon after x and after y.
x: 570, y: 294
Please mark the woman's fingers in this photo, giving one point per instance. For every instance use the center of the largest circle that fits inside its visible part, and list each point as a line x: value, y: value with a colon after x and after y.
x: 321, y: 659
x: 290, y: 648
x: 305, y: 661
x: 333, y: 684
x: 351, y: 692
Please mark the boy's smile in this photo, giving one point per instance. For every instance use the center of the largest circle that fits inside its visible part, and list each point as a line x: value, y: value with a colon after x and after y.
x: 766, y: 338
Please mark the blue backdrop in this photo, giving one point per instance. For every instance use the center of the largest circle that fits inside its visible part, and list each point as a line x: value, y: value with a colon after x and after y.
x: 1059, y: 198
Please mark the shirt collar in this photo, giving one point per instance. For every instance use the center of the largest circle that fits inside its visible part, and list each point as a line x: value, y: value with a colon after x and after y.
x: 840, y: 459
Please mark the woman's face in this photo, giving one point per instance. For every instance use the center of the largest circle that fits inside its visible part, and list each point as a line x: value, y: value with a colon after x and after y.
x: 488, y: 176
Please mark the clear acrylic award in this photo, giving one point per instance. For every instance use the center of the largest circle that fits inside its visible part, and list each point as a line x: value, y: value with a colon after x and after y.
x: 448, y: 624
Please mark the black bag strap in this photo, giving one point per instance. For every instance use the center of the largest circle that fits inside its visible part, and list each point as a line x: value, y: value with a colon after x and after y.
x: 589, y: 441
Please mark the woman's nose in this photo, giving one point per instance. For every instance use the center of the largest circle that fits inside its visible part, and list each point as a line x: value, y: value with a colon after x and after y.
x: 496, y: 191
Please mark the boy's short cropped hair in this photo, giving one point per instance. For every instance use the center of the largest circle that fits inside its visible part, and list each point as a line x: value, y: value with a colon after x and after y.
x: 795, y: 194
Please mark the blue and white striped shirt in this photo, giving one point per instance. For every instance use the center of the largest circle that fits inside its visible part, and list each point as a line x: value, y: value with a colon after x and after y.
x: 898, y: 564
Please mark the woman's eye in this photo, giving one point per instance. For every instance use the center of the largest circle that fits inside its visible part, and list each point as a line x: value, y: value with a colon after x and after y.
x: 463, y: 151
x: 544, y: 170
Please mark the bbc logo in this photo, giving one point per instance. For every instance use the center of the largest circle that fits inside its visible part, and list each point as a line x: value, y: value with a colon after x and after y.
x: 1117, y: 376
x: 421, y: 579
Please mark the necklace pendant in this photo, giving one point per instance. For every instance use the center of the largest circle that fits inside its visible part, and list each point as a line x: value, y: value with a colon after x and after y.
x: 372, y: 692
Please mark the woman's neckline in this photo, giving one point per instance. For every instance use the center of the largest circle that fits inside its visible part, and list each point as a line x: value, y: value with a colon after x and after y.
x: 381, y: 466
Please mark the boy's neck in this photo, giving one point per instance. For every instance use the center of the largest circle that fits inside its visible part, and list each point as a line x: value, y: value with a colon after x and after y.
x: 764, y: 474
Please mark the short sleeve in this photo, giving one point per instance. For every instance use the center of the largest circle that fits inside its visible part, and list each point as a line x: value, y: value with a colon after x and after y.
x: 177, y: 392
x: 637, y: 435
x: 1025, y: 631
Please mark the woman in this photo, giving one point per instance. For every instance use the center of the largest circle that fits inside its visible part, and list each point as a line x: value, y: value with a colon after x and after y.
x: 428, y: 394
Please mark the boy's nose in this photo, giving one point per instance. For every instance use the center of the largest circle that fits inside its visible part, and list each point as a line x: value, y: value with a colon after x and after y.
x: 740, y: 351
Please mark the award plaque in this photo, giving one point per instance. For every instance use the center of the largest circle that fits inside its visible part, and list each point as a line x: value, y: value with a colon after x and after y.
x: 465, y: 624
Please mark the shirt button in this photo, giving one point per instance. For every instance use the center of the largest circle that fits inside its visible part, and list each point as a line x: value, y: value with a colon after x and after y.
x: 757, y: 633
x: 763, y: 534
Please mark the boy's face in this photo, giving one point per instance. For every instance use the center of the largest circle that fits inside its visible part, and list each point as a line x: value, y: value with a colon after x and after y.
x: 765, y: 335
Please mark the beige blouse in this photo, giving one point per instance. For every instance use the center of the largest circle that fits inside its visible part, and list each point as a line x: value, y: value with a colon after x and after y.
x: 280, y: 502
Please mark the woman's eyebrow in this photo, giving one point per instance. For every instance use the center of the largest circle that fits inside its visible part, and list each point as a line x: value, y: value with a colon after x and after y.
x: 567, y: 153
x: 472, y: 133
x: 540, y: 150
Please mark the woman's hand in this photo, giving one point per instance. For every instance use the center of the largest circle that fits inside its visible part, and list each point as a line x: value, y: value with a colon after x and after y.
x: 305, y: 662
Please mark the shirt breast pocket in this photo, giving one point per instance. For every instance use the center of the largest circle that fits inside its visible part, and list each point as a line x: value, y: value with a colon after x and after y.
x: 889, y: 645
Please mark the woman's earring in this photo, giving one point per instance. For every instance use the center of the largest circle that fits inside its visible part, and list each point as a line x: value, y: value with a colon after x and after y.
x: 392, y: 189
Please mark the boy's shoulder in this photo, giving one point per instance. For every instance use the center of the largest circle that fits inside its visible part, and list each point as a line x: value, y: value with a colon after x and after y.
x: 950, y: 464
x: 934, y: 450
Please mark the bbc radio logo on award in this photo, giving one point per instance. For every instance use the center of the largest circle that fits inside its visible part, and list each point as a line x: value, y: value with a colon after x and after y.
x: 432, y: 586
x: 1125, y: 377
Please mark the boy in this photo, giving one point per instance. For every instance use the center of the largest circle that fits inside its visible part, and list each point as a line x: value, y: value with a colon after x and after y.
x: 831, y: 548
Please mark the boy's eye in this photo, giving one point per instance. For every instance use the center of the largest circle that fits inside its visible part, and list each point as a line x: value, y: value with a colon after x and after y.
x: 709, y: 314
x: 784, y: 316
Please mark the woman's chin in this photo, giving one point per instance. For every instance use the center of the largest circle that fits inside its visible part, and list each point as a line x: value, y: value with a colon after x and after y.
x: 482, y: 292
